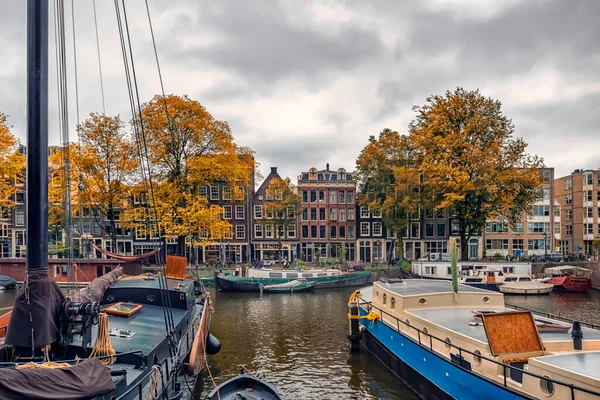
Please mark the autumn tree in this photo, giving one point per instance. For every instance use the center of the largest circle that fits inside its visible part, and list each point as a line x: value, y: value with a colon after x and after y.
x: 106, y: 162
x: 12, y: 165
x: 470, y: 161
x: 188, y: 149
x: 390, y: 181
x: 281, y: 206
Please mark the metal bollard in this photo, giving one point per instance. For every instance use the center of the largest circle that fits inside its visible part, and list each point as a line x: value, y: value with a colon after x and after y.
x: 354, y: 334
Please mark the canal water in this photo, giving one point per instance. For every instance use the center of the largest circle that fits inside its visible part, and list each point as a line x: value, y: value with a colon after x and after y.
x: 297, y: 342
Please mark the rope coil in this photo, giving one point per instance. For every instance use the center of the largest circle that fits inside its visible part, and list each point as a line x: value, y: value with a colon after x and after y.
x: 103, y: 346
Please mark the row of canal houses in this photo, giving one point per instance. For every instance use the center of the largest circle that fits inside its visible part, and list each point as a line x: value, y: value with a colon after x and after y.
x: 331, y: 219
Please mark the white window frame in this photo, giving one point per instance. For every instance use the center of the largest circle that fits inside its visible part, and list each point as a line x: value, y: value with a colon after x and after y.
x: 227, y: 212
x: 377, y: 229
x: 240, y: 232
x: 258, y: 231
x: 365, y: 229
x: 364, y: 212
x: 214, y: 193
x: 240, y: 212
x: 258, y: 212
x: 291, y: 231
x: 226, y: 192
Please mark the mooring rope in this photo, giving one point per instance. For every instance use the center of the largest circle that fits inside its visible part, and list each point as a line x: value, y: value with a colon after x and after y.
x: 103, y: 346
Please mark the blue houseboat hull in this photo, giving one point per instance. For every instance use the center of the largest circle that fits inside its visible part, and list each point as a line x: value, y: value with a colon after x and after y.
x: 485, y: 286
x: 430, y: 376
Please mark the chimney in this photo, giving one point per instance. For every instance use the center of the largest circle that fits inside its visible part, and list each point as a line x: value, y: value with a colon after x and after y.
x: 327, y: 167
x: 273, y: 170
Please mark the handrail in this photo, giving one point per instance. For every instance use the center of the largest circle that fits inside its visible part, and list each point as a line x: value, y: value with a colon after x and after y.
x: 461, y: 350
x: 548, y: 315
x: 74, y: 361
x: 142, y: 381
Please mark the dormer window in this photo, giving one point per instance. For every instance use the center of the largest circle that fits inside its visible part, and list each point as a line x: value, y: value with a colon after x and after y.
x: 312, y: 174
x: 341, y: 174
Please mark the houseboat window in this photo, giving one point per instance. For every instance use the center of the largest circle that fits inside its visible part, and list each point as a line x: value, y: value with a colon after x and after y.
x: 322, y: 274
x: 393, y: 303
x: 547, y: 386
x: 448, y: 343
x: 377, y: 293
x: 275, y: 275
x: 525, y: 279
x: 408, y: 322
x: 477, y: 357
x: 471, y: 280
x: 430, y: 270
x: 510, y: 279
x: 291, y: 275
x: 422, y: 301
x: 384, y: 299
x: 486, y: 299
x: 307, y: 275
x: 425, y: 331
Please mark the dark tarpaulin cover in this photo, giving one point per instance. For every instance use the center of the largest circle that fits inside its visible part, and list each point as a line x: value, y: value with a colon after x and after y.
x: 45, y: 305
x: 98, y: 286
x: 85, y: 380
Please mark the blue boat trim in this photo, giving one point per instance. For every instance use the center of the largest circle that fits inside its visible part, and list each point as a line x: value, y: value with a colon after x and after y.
x: 381, y: 338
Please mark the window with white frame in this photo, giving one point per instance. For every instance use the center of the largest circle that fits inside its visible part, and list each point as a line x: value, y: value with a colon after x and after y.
x: 342, y: 216
x: 350, y: 232
x: 377, y: 229
x: 226, y: 193
x: 351, y: 214
x: 546, y: 176
x: 568, y: 184
x: 214, y: 193
x: 364, y: 212
x: 588, y: 229
x: 568, y: 230
x: 240, y: 232
x: 333, y: 214
x: 269, y: 231
x: 240, y: 193
x: 538, y: 227
x: 203, y: 191
x: 239, y: 212
x: 350, y: 197
x: 518, y: 228
x: 341, y: 197
x: 364, y: 228
x: 291, y: 231
x: 20, y: 217
x: 588, y: 178
x: 333, y: 196
x: 568, y: 215
x: 569, y: 199
x: 291, y: 211
x: 377, y: 213
x: 227, y: 212
x: 589, y: 212
x: 258, y: 231
x: 258, y: 212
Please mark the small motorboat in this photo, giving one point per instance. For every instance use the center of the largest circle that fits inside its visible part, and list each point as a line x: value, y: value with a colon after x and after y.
x: 523, y: 284
x: 245, y: 387
x: 296, y: 285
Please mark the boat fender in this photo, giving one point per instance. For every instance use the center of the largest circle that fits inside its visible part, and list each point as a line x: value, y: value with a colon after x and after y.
x: 577, y: 335
x: 213, y: 345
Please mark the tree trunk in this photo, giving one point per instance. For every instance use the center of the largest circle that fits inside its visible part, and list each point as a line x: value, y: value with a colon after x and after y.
x: 180, y: 246
x: 464, y: 245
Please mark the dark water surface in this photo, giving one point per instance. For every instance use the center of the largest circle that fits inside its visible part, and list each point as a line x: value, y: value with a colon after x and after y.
x: 297, y: 342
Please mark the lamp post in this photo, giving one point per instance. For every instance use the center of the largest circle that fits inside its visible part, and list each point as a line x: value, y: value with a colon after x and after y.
x: 545, y: 246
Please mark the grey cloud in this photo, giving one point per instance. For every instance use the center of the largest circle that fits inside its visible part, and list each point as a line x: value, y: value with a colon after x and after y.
x: 257, y: 41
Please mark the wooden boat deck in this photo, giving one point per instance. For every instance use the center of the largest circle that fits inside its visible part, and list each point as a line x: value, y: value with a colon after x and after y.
x: 581, y: 363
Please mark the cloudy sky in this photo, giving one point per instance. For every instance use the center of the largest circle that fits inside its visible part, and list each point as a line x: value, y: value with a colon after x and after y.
x: 305, y: 83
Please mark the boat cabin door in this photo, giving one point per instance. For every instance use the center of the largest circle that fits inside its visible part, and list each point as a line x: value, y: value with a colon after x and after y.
x: 491, y: 277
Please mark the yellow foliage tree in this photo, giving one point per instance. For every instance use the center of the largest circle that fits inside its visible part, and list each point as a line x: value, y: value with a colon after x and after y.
x: 470, y: 162
x: 106, y: 164
x: 390, y: 181
x: 188, y: 149
x: 280, y: 209
x: 12, y: 165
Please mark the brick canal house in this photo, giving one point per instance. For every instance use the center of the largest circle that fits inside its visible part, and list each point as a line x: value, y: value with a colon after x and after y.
x: 329, y: 217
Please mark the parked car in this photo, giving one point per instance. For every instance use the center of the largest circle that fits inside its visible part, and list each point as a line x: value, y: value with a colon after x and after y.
x: 555, y: 257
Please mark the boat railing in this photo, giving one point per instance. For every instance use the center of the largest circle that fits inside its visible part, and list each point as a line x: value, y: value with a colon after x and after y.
x: 145, y: 379
x: 547, y: 315
x: 426, y: 340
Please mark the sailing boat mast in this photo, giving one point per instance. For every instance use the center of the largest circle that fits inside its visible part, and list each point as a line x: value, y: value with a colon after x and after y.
x: 37, y: 135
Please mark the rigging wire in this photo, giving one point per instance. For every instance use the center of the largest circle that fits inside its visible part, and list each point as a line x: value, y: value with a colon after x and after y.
x: 145, y: 147
x: 99, y: 62
x: 167, y: 313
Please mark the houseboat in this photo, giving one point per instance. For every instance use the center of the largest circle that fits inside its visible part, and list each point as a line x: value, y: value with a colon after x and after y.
x: 252, y: 279
x: 488, y: 279
x: 568, y: 278
x: 443, y: 270
x: 453, y: 341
